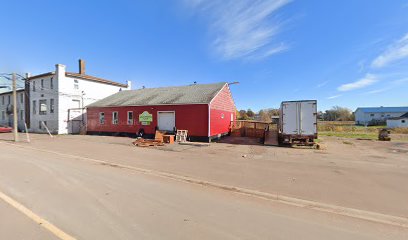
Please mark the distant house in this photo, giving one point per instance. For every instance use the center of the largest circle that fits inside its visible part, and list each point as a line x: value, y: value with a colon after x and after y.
x: 375, y: 115
x: 398, y: 122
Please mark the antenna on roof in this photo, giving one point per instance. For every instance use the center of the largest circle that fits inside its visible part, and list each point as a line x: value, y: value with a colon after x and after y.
x: 231, y: 83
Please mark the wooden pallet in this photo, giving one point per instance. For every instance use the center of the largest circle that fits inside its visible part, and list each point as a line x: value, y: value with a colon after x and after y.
x: 158, y: 136
x: 147, y: 143
x: 181, y: 135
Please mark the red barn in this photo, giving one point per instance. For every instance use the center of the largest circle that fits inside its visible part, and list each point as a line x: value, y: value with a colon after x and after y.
x: 205, y: 110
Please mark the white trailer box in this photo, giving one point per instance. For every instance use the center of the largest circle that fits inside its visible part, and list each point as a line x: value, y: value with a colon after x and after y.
x: 298, y: 121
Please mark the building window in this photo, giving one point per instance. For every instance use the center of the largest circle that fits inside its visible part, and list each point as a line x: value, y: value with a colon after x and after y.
x: 52, y: 83
x: 51, y: 105
x: 115, y: 118
x: 42, y: 84
x: 22, y: 98
x: 9, y: 99
x: 34, y: 107
x: 33, y: 86
x: 130, y: 118
x: 101, y: 118
x: 76, y: 84
x: 2, y: 100
x: 382, y: 115
x: 21, y: 115
x: 402, y: 121
x: 43, y: 106
x: 3, y: 115
x: 372, y: 115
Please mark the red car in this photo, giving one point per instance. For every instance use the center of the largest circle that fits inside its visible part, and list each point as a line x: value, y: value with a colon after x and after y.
x: 4, y: 129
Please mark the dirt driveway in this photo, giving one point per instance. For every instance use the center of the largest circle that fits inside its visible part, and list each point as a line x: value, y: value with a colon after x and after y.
x: 367, y: 175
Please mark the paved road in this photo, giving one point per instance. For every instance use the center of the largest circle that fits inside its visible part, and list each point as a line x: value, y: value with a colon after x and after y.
x: 95, y: 201
x: 14, y: 225
x: 364, y: 175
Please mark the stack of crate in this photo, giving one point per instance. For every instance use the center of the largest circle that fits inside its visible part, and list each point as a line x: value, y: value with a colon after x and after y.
x: 181, y: 135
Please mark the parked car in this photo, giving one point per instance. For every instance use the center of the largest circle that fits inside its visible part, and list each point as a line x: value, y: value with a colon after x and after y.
x: 5, y: 129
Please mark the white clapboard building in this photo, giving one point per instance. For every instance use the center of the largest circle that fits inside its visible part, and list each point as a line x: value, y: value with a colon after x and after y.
x: 377, y: 115
x: 58, y: 99
x: 398, y: 122
x: 6, y: 108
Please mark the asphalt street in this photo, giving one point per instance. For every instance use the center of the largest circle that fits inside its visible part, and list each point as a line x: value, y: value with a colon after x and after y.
x: 89, y: 200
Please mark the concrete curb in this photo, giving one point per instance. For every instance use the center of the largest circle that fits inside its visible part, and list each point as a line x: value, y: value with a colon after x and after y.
x: 323, y: 207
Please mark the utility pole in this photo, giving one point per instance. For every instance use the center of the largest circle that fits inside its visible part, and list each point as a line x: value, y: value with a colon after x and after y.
x: 15, y: 115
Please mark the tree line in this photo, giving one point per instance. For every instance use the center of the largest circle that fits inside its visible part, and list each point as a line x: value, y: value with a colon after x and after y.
x: 336, y: 113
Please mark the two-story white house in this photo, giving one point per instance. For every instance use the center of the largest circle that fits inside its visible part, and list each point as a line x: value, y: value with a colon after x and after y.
x: 6, y: 108
x: 58, y: 99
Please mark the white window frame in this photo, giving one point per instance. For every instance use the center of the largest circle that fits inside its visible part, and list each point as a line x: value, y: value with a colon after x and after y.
x: 52, y: 105
x: 76, y: 84
x: 130, y: 121
x: 40, y: 103
x: 34, y: 107
x: 115, y: 121
x: 100, y: 118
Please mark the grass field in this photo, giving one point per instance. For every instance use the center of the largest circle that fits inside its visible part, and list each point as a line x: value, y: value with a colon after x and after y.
x: 347, y: 129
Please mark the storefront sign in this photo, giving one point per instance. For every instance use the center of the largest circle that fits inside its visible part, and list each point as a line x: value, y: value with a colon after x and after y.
x: 145, y: 118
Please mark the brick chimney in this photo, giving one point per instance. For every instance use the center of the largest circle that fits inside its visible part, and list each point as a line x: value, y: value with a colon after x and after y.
x: 81, y: 67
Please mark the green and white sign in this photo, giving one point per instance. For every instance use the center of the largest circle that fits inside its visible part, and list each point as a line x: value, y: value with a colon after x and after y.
x: 145, y: 118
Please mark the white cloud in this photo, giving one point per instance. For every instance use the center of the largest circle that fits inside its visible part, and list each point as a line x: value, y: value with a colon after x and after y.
x: 322, y: 84
x: 400, y: 81
x: 335, y: 96
x: 368, y: 80
x: 395, y: 52
x: 242, y: 28
x: 378, y: 90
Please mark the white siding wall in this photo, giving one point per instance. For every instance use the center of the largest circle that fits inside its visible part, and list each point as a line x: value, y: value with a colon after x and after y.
x: 66, y: 96
x: 8, y: 118
x: 93, y: 91
x: 359, y: 117
x: 365, y: 117
x: 394, y: 123
x: 45, y: 93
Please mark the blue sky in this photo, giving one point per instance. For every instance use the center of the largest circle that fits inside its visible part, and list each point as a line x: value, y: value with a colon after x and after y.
x: 348, y: 53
